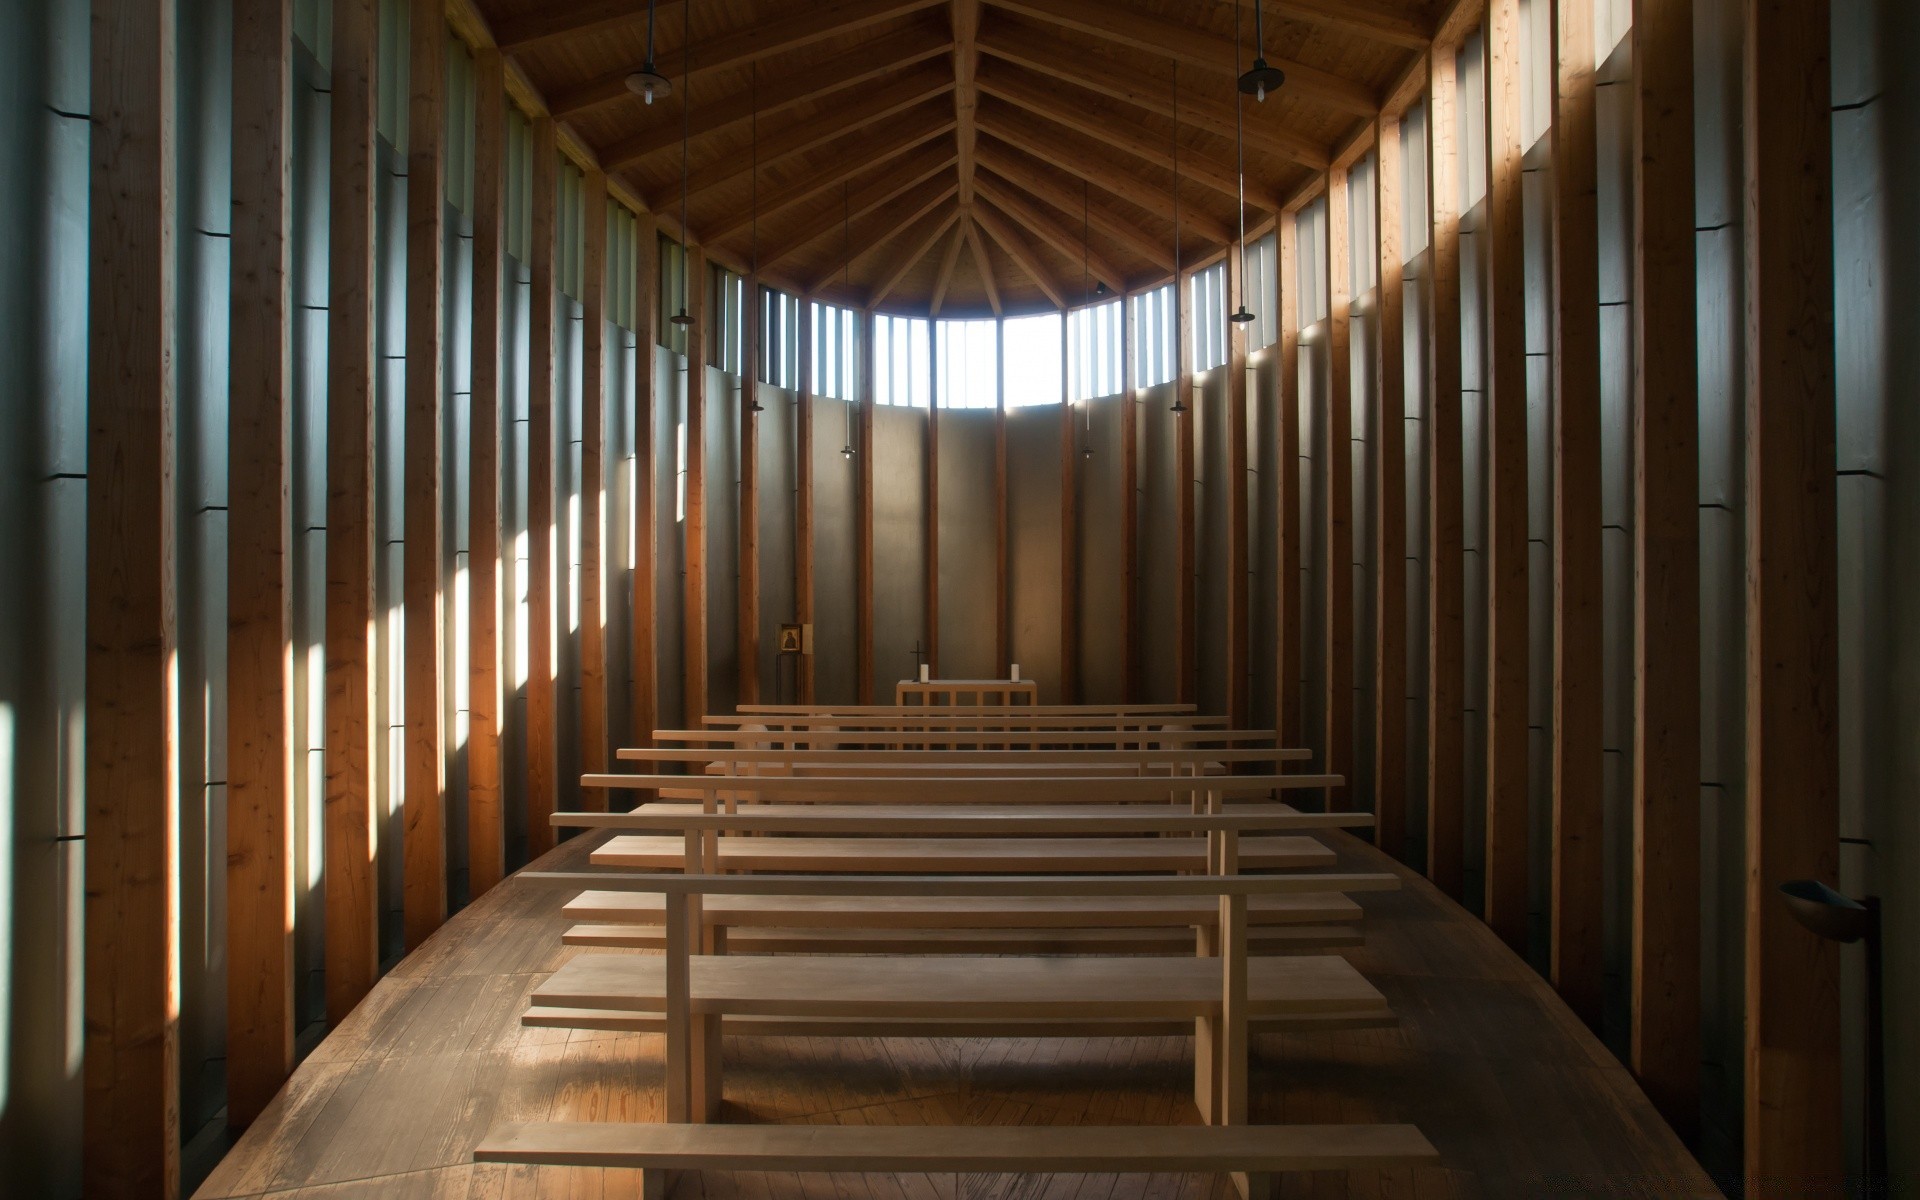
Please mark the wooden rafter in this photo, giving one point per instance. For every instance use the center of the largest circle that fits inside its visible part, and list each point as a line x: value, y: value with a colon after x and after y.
x: 889, y: 184
x: 993, y: 298
x: 848, y: 69
x: 945, y: 279
x: 1195, y: 47
x: 1376, y: 22
x: 1061, y: 106
x: 966, y: 96
x: 839, y: 121
x: 1073, y: 243
x: 860, y: 154
x: 1098, y: 70
x: 1072, y: 203
x: 802, y: 25
x: 1003, y: 230
x: 1017, y: 128
x: 893, y: 221
x: 907, y: 261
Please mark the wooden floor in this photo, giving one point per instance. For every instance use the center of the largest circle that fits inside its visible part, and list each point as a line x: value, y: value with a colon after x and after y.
x: 1520, y: 1100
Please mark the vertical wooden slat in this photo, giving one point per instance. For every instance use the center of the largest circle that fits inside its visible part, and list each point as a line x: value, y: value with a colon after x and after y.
x: 694, y: 610
x: 259, y: 570
x: 1506, y: 441
x: 646, y: 398
x: 1793, y: 1107
x: 424, y: 657
x: 1446, y: 599
x: 1577, y: 891
x: 352, y: 930
x: 1389, y: 505
x: 543, y: 754
x: 1336, y: 449
x: 863, y: 518
x: 1130, y: 503
x: 595, y: 753
x: 747, y: 647
x: 803, y: 500
x: 131, y: 1124
x: 1186, y: 561
x: 1665, y: 980
x: 930, y: 527
x: 1239, y: 585
x: 1069, y: 534
x: 486, y: 818
x: 1288, y: 708
x: 1002, y: 606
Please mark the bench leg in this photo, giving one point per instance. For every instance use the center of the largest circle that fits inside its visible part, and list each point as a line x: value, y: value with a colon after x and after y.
x: 654, y: 1184
x: 1206, y: 1040
x: 705, y: 1069
x: 1254, y: 1185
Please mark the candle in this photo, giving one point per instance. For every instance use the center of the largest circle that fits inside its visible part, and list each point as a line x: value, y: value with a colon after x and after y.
x: 923, y: 672
x: 1014, y: 674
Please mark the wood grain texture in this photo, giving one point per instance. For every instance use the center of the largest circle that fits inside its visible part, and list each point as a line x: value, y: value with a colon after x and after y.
x: 1336, y: 459
x: 803, y: 582
x: 747, y: 636
x: 863, y: 517
x: 542, y: 736
x: 594, y: 736
x: 486, y: 812
x: 1391, y: 548
x: 1186, y: 579
x: 424, y: 653
x: 260, y: 740
x: 645, y: 650
x: 352, y: 904
x: 1793, y: 1101
x: 1131, y: 665
x: 1506, y: 486
x: 1577, y: 890
x: 1239, y: 577
x: 693, y: 612
x: 1665, y: 974
x: 1070, y: 483
x: 1288, y: 711
x: 130, y: 1126
x: 1446, y: 596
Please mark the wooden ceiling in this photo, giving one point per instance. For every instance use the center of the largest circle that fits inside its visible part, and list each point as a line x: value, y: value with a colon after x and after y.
x: 962, y: 156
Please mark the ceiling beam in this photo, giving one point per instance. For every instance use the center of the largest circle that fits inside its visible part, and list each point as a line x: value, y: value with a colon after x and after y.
x: 891, y: 182
x: 803, y: 26
x: 1073, y: 243
x: 945, y: 278
x: 1376, y: 22
x: 1059, y: 104
x: 780, y: 91
x: 1195, y: 47
x: 966, y: 97
x: 892, y: 221
x: 1039, y: 48
x: 919, y: 251
x: 837, y: 121
x: 1453, y: 25
x: 860, y: 154
x: 986, y: 266
x: 1001, y: 229
x: 1017, y: 128
x: 994, y: 157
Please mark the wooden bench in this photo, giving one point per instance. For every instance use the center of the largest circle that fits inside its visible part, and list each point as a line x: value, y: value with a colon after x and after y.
x: 951, y: 855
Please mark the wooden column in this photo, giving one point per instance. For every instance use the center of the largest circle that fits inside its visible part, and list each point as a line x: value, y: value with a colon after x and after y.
x: 259, y: 570
x: 1665, y: 980
x: 1069, y: 534
x: 1577, y: 890
x: 1446, y: 597
x: 1506, y: 443
x: 424, y: 654
x: 646, y: 398
x: 130, y: 1135
x: 1186, y: 559
x: 1389, y: 504
x: 1130, y: 504
x: 930, y: 531
x: 863, y: 519
x: 694, y: 606
x: 1239, y: 585
x: 1288, y: 716
x: 595, y: 754
x: 1793, y: 1130
x: 352, y: 928
x: 1336, y: 450
x: 1002, y: 610
x: 747, y: 641
x: 803, y: 499
x: 543, y: 756
x: 486, y: 816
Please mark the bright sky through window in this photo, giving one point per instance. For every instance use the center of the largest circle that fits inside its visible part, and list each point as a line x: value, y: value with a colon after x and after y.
x: 1033, y: 363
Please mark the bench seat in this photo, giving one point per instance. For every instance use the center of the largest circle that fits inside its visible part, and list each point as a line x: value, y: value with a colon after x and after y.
x: 607, y: 1020
x: 923, y: 1148
x: 961, y: 855
x: 1272, y: 939
x: 964, y: 912
x: 918, y: 986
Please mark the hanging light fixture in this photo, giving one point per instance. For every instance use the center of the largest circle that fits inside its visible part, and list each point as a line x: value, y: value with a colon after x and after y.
x: 1259, y: 79
x: 647, y: 82
x: 1179, y: 401
x: 752, y: 353
x: 681, y: 318
x: 846, y: 284
x: 1242, y: 315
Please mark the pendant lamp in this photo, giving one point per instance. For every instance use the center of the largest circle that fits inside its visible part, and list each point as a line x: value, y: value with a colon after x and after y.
x: 647, y: 82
